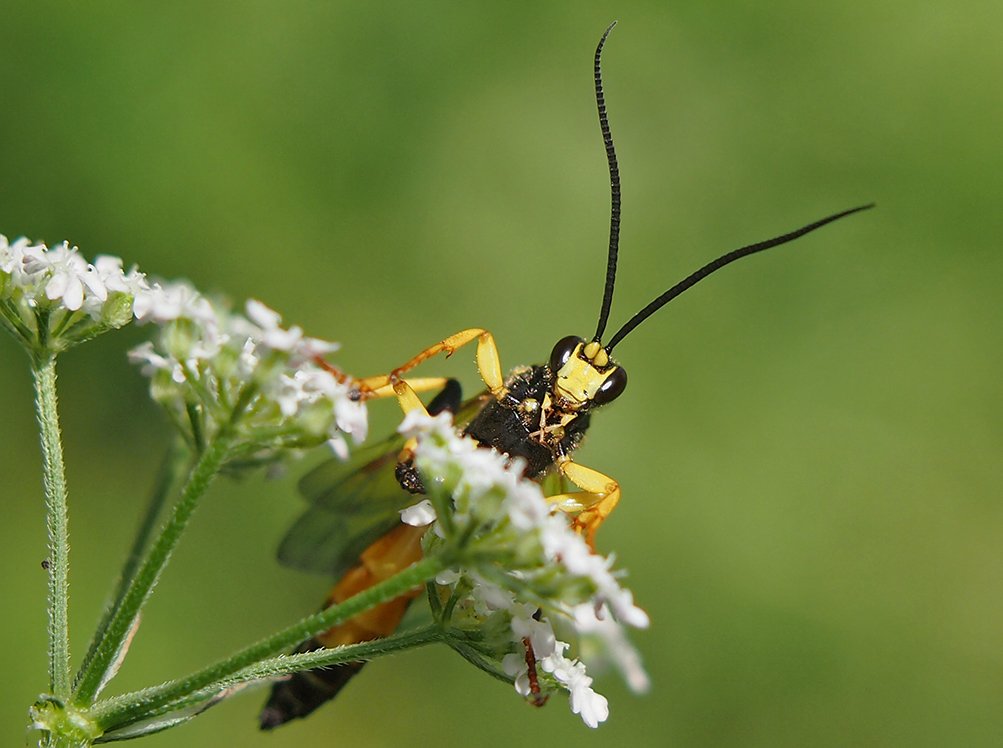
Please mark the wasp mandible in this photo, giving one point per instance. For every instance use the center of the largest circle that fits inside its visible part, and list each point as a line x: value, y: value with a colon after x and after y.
x: 539, y: 413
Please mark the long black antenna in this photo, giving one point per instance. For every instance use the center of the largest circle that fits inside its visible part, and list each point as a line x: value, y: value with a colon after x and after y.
x: 719, y: 263
x: 614, y: 183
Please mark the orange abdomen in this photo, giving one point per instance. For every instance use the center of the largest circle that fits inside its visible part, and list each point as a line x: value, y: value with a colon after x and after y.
x: 300, y: 694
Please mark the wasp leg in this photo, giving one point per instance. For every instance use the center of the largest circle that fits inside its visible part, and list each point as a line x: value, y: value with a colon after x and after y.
x: 590, y: 506
x: 407, y: 397
x: 488, y: 366
x: 419, y: 384
x: 488, y: 362
x: 409, y: 401
x: 406, y: 392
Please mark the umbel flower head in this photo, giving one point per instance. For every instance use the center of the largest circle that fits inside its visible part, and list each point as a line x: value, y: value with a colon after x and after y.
x: 52, y: 299
x: 216, y: 370
x: 527, y: 581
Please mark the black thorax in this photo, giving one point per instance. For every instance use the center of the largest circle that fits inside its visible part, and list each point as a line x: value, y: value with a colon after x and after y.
x: 509, y: 426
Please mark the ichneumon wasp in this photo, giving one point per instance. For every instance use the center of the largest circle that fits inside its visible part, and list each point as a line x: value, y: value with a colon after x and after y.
x: 539, y: 413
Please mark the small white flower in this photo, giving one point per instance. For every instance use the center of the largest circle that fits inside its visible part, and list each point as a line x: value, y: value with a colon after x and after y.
x: 272, y: 334
x: 487, y: 597
x: 11, y: 255
x: 310, y: 348
x: 419, y: 515
x: 526, y: 512
x: 447, y: 577
x: 338, y: 446
x: 153, y: 362
x: 33, y: 263
x: 262, y: 315
x: 177, y: 300
x: 514, y: 665
x: 604, y: 640
x: 539, y: 632
x: 591, y: 706
x: 70, y: 276
x: 416, y: 423
x: 350, y: 415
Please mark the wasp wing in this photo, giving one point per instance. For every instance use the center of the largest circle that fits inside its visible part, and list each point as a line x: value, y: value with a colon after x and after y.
x: 353, y: 503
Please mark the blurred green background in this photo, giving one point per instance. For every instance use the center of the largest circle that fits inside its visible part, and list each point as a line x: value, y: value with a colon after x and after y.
x: 809, y: 446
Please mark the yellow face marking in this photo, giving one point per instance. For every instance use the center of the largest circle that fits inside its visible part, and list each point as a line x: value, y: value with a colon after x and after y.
x: 595, y: 353
x: 578, y: 380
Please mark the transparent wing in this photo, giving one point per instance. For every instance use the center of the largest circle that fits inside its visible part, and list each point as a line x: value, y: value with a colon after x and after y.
x: 353, y: 503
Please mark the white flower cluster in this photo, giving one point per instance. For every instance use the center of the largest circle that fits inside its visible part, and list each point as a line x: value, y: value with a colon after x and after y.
x: 209, y: 364
x: 205, y: 362
x: 51, y: 299
x: 540, y: 575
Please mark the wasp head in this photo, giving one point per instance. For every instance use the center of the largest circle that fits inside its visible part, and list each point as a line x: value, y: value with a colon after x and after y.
x: 584, y: 375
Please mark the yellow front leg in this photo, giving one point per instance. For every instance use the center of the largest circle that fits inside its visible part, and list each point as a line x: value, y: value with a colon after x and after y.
x: 488, y: 363
x: 593, y: 504
x: 409, y: 401
x: 405, y: 390
x: 418, y: 384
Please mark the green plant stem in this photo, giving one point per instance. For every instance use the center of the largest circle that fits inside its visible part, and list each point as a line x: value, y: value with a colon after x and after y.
x: 10, y: 318
x: 102, y: 665
x: 475, y: 658
x: 60, y: 740
x: 152, y: 699
x: 57, y: 524
x: 166, y: 480
x: 123, y: 711
x: 58, y: 725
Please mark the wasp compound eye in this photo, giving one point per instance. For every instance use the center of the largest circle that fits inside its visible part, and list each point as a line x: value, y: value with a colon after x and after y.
x: 612, y: 387
x: 562, y: 351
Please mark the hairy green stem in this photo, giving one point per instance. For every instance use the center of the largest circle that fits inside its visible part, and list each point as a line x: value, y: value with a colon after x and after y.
x: 64, y: 740
x: 57, y: 524
x: 128, y: 709
x: 102, y: 665
x: 152, y: 699
x: 166, y: 480
x: 475, y: 658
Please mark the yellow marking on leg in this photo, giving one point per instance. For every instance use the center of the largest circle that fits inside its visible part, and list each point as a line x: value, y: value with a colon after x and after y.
x: 593, y: 504
x: 488, y: 364
x: 407, y: 451
x: 406, y: 393
x: 386, y: 389
x: 408, y: 398
x: 409, y: 401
